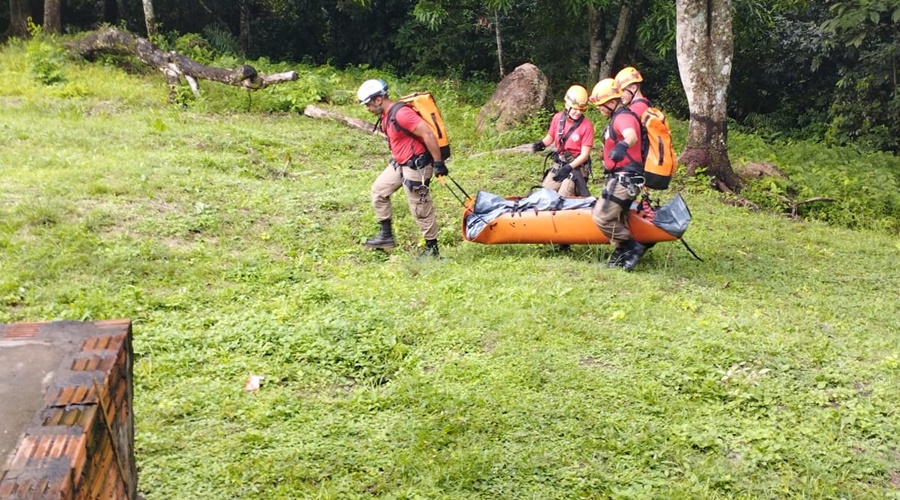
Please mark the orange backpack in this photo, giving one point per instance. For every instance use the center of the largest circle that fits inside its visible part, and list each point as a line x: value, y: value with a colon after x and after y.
x: 659, y: 158
x: 423, y: 104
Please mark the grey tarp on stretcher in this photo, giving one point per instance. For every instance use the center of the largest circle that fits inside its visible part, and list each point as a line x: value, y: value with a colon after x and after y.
x: 672, y: 218
x: 490, y: 206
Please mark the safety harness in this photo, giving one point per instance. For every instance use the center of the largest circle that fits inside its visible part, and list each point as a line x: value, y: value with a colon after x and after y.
x: 628, y: 176
x: 561, y: 156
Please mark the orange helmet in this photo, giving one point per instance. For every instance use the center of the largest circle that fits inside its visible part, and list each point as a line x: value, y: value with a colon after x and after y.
x: 628, y: 76
x: 605, y: 90
x: 577, y: 98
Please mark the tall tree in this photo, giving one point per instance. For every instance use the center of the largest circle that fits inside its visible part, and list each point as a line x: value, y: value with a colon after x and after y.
x: 597, y: 35
x: 19, y: 12
x: 621, y: 46
x: 433, y: 13
x: 52, y: 20
x: 244, y: 27
x: 149, y: 18
x: 704, y: 44
x: 866, y: 101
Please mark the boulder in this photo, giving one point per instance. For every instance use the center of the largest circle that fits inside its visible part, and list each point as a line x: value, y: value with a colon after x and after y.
x: 519, y: 95
x: 753, y: 171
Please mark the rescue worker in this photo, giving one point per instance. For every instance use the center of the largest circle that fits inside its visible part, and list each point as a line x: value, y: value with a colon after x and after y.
x: 573, y: 137
x: 629, y: 81
x: 623, y: 169
x: 415, y: 158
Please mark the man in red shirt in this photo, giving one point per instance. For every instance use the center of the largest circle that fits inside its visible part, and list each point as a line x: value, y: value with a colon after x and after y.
x: 629, y: 81
x: 573, y: 136
x: 415, y: 158
x: 624, y: 168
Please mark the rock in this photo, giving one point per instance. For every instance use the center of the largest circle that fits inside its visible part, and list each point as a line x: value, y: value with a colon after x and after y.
x: 519, y: 95
x: 754, y: 170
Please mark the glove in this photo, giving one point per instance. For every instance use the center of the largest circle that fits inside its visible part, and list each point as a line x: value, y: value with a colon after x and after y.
x: 538, y: 146
x: 440, y: 169
x: 618, y: 151
x: 562, y: 173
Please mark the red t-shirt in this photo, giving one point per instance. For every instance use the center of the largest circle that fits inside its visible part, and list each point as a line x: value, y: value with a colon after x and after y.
x: 403, y: 147
x: 582, y: 136
x: 620, y: 121
x: 639, y: 105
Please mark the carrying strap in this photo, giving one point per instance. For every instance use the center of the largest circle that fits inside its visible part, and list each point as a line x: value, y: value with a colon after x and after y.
x: 689, y: 250
x: 640, y: 99
x: 607, y: 195
x: 392, y: 117
x: 641, y: 135
x: 560, y: 138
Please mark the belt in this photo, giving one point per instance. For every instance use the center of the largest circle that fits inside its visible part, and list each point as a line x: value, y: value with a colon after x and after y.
x: 419, y: 162
x: 626, y: 178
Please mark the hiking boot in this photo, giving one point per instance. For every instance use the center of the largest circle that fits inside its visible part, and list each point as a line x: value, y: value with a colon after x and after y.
x: 633, y: 255
x: 430, y: 250
x: 615, y: 259
x: 384, y: 239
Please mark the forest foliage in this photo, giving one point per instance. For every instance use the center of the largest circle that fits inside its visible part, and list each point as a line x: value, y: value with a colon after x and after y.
x: 230, y: 233
x: 826, y: 71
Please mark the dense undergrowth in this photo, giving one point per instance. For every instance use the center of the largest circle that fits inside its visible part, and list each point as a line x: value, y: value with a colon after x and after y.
x: 228, y: 230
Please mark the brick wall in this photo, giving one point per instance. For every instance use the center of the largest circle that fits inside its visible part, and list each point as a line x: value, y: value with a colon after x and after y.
x: 80, y: 444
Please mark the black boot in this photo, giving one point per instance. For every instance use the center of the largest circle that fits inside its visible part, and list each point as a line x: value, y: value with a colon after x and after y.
x: 633, y: 255
x: 431, y: 249
x: 384, y: 239
x: 615, y: 259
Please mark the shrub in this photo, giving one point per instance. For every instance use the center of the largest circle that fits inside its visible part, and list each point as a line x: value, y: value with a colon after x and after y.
x: 45, y: 58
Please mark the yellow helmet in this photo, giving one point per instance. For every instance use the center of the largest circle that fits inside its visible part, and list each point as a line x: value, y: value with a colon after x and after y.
x: 605, y: 90
x: 577, y: 98
x: 628, y: 76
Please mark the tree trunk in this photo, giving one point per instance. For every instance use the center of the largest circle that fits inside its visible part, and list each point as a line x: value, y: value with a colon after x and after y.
x: 357, y: 123
x: 705, y: 46
x: 609, y: 60
x: 595, y: 26
x: 499, y: 42
x: 111, y: 12
x: 52, y: 21
x: 19, y: 12
x: 244, y: 27
x: 214, y: 15
x: 173, y: 65
x: 149, y: 18
x: 621, y: 48
x: 626, y: 55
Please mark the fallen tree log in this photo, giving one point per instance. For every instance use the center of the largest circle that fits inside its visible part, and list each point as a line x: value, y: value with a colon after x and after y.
x: 316, y: 112
x: 795, y: 205
x: 524, y: 148
x: 173, y: 65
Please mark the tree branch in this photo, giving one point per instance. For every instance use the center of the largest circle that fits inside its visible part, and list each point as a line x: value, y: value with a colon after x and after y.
x: 794, y: 204
x: 172, y: 64
x: 524, y: 148
x: 315, y: 112
x: 738, y: 199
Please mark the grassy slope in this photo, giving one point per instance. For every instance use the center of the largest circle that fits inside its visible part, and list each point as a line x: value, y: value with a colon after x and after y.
x: 232, y: 241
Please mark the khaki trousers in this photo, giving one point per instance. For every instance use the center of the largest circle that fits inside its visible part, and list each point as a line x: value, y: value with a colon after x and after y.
x: 418, y: 196
x: 566, y: 187
x: 610, y: 217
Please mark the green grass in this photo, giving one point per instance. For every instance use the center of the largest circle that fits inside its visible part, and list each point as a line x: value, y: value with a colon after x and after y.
x: 232, y: 240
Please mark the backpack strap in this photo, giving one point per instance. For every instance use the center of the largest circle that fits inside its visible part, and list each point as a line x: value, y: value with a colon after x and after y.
x: 641, y: 99
x: 561, y: 139
x: 392, y: 118
x: 641, y: 131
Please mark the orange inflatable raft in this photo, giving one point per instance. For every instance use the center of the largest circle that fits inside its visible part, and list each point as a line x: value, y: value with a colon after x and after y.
x: 543, y: 217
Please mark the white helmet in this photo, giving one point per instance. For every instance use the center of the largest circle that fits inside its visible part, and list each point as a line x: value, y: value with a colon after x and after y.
x: 371, y: 89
